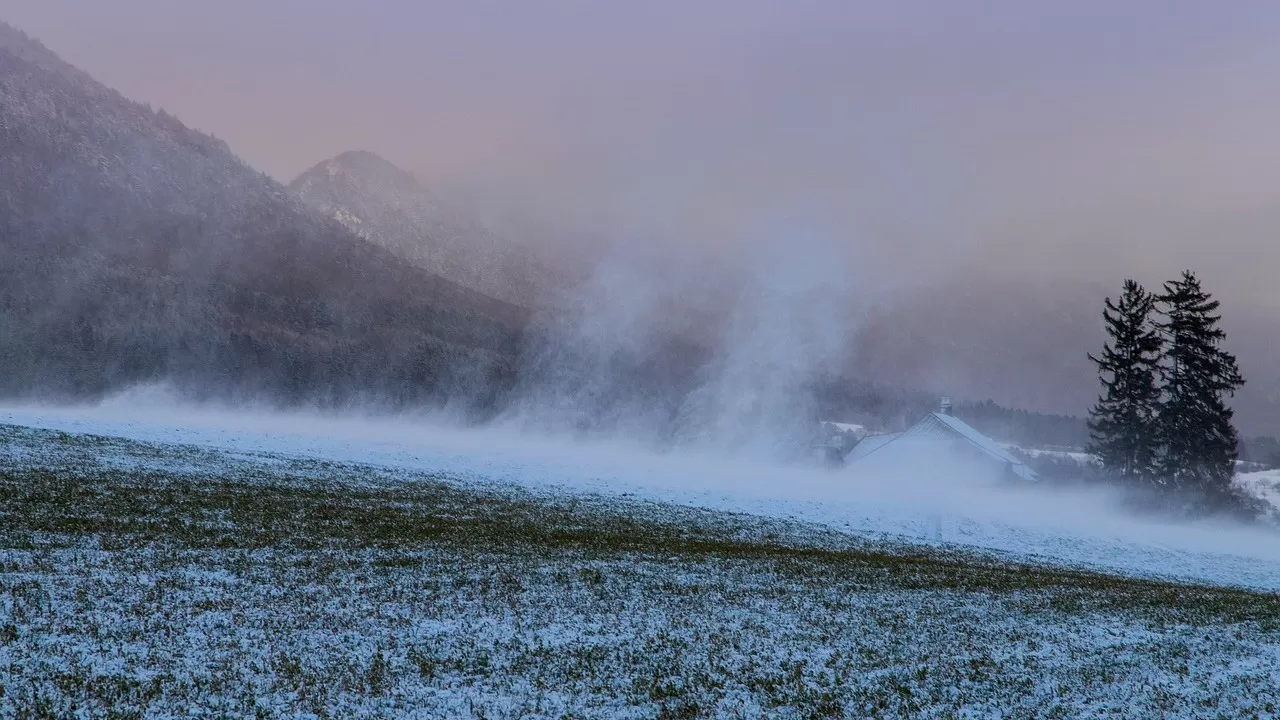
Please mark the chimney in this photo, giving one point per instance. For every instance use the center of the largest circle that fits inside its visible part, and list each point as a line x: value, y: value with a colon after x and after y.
x: 945, y: 406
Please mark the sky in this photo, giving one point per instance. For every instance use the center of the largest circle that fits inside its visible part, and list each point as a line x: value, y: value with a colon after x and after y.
x: 1089, y: 139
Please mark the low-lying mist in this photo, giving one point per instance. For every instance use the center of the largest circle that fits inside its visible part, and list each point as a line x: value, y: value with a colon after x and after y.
x: 930, y: 499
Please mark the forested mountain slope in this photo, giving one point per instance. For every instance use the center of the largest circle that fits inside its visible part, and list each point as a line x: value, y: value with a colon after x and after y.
x: 136, y: 248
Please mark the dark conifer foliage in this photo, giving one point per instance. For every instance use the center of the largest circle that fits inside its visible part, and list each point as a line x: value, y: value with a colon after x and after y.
x: 1122, y: 424
x: 1198, y: 440
x: 134, y: 249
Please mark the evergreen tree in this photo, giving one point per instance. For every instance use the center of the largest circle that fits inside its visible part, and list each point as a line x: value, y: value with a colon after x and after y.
x: 1122, y: 424
x: 1198, y: 440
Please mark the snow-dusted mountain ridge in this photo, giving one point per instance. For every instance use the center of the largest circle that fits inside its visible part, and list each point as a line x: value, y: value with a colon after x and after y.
x: 389, y: 207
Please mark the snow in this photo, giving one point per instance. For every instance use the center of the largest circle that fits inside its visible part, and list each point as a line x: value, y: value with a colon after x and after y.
x: 1264, y: 485
x: 451, y: 636
x: 984, y: 443
x: 937, y: 506
x: 848, y: 427
x: 931, y: 443
x: 869, y: 445
x: 407, y: 628
x: 346, y: 218
x: 1078, y: 456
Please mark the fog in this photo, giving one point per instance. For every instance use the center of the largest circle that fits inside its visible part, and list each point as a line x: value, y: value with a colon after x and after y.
x: 763, y: 325
x: 930, y: 500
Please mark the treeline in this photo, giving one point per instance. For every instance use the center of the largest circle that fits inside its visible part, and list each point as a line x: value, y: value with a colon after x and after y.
x: 1162, y: 422
x: 890, y: 409
x: 1260, y: 453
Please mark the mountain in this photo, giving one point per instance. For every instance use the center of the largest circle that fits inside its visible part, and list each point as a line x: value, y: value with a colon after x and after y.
x: 391, y: 208
x: 135, y: 248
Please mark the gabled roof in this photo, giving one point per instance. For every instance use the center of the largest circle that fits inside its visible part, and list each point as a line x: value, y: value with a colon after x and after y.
x: 940, y: 427
x: 868, y: 445
x: 966, y: 431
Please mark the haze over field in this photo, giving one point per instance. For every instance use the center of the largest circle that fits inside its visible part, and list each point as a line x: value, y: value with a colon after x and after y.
x: 932, y: 500
x: 1050, y: 150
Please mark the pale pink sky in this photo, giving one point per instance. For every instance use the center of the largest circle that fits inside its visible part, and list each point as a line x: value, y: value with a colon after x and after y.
x: 1087, y: 138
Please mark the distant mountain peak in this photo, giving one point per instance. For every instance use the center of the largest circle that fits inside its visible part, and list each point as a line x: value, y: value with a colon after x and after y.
x: 363, y: 158
x: 363, y: 164
x: 388, y: 206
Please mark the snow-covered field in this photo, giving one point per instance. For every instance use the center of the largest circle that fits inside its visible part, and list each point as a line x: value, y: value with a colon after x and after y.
x: 156, y: 564
x: 1073, y: 528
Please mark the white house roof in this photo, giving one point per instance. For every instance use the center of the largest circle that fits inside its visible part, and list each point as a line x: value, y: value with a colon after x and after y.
x: 966, y: 431
x: 869, y: 445
x: 933, y: 430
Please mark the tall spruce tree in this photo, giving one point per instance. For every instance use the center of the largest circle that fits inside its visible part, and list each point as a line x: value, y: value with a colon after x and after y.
x: 1199, y: 444
x: 1122, y: 424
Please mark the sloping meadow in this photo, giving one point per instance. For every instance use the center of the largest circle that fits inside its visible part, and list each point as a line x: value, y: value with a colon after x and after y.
x: 150, y: 580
